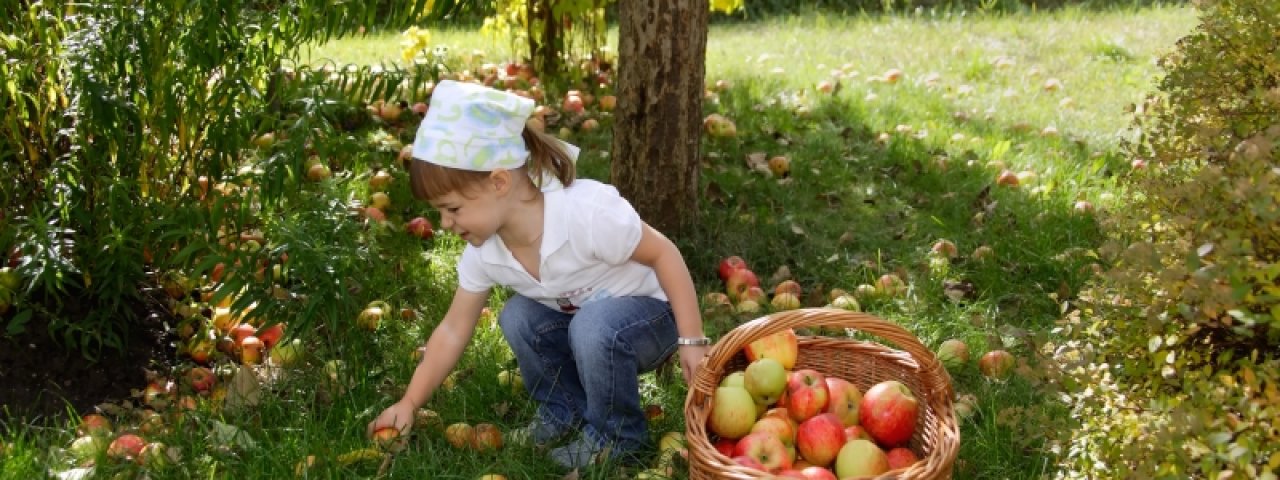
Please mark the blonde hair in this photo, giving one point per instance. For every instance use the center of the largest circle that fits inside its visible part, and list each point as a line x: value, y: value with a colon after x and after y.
x: 546, y: 156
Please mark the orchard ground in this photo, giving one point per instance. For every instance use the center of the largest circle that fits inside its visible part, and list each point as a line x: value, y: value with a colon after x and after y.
x: 881, y: 168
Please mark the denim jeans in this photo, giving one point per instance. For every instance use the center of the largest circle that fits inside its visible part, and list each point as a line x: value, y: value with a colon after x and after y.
x: 583, y: 368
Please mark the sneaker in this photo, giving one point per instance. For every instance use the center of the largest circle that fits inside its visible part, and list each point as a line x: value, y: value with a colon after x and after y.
x: 577, y: 454
x: 537, y: 434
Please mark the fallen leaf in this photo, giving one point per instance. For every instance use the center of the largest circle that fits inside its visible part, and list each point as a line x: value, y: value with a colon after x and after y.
x: 245, y: 390
x: 231, y: 435
x: 782, y: 273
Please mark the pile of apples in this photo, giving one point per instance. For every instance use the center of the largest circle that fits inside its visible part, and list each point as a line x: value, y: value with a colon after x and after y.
x: 800, y: 423
x: 743, y: 293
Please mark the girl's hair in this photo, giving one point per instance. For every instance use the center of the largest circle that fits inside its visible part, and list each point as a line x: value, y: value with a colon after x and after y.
x: 546, y: 156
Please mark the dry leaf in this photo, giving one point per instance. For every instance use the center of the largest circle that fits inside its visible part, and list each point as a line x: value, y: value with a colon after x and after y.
x: 782, y: 273
x: 573, y: 475
x: 797, y: 230
x: 244, y: 391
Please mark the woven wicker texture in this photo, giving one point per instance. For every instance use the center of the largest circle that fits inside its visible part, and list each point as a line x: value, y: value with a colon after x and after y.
x: 937, y: 437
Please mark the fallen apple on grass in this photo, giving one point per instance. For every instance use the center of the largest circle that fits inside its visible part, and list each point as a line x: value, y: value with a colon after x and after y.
x: 460, y: 435
x: 126, y: 447
x: 487, y: 437
x: 953, y: 353
x: 996, y: 364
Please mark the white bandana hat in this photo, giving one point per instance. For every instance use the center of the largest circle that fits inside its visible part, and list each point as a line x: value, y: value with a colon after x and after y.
x: 473, y: 127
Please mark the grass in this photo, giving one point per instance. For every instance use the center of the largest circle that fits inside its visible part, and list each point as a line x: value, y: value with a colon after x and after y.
x: 879, y: 173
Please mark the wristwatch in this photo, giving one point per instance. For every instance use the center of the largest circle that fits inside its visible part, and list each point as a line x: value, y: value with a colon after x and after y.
x: 693, y: 341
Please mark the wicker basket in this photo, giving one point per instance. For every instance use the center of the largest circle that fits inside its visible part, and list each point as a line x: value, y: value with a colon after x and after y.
x: 937, y: 437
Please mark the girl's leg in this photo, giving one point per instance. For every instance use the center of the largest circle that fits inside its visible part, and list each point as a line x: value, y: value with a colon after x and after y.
x: 614, y: 340
x: 539, y: 337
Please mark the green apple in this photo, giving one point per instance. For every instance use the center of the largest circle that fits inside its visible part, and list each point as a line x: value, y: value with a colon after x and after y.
x: 287, y: 354
x: 733, y: 412
x: 860, y: 458
x: 735, y: 379
x: 765, y: 379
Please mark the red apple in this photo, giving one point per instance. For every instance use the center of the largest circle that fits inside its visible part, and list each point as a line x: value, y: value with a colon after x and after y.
x: 725, y: 446
x: 126, y: 447
x: 783, y: 428
x: 807, y: 394
x: 242, y: 331
x: 785, y: 301
x: 860, y: 458
x: 271, y: 335
x: 733, y: 412
x: 1007, y: 178
x: 608, y: 102
x: 729, y: 264
x: 420, y: 227
x: 783, y: 346
x: 901, y: 457
x: 843, y: 399
x: 748, y: 462
x: 158, y: 393
x: 573, y: 104
x: 738, y: 283
x: 944, y: 248
x: 817, y: 473
x: 996, y: 364
x: 202, y: 379
x: 487, y: 437
x: 387, y: 438
x: 888, y: 412
x: 819, y: 439
x: 890, y: 284
x: 855, y: 432
x: 765, y: 448
x: 94, y: 424
x: 251, y: 351
x: 589, y: 125
x: 754, y: 294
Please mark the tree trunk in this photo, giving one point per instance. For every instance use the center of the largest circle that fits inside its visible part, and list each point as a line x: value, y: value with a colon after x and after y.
x: 662, y: 48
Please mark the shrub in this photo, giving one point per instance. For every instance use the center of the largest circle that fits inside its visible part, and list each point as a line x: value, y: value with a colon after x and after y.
x: 1173, y: 351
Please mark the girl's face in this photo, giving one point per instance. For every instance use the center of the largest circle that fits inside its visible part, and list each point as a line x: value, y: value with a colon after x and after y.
x: 475, y: 216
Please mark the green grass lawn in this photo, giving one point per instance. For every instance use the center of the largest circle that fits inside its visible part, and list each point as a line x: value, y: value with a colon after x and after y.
x: 880, y: 171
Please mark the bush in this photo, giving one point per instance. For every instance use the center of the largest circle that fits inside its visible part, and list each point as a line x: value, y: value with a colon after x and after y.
x: 1173, y: 351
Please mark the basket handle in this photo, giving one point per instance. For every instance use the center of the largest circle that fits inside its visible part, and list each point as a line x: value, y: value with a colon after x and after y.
x: 729, y: 345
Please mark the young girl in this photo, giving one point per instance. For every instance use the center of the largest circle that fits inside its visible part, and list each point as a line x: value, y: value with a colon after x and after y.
x: 600, y: 296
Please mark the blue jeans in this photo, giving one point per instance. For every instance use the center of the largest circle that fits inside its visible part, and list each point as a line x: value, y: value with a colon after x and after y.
x: 583, y: 368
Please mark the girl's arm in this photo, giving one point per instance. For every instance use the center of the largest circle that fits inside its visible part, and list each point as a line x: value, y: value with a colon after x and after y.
x: 657, y: 251
x: 443, y: 350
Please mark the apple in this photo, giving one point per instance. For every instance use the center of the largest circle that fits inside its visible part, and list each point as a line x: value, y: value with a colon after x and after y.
x: 460, y: 435
x: 379, y: 200
x: 420, y: 227
x: 748, y: 462
x: 716, y: 302
x: 860, y: 458
x: 318, y: 172
x: 733, y: 412
x: 653, y: 412
x: 890, y: 284
x: 374, y: 214
x: 369, y: 318
x: 944, y: 248
x: 855, y: 432
x: 807, y: 394
x: 982, y: 253
x: 739, y: 281
x: 388, y: 439
x: 487, y: 437
x: 251, y: 351
x: 754, y: 294
x: 608, y: 102
x: 427, y: 419
x: 719, y: 126
x: 953, y: 353
x: 288, y: 354
x: 782, y: 346
x: 589, y: 125
x: 996, y: 364
x: 87, y: 447
x: 826, y: 86
x: 94, y: 424
x: 202, y: 379
x: 157, y: 393
x: 511, y: 379
x: 819, y: 439
x: 379, y: 181
x: 781, y: 427
x: 271, y: 335
x: 1083, y: 206
x: 729, y: 264
x: 780, y: 166
x: 888, y: 412
x: 735, y: 379
x: 901, y: 457
x: 725, y: 446
x: 154, y: 455
x: 573, y: 104
x: 672, y: 444
x: 788, y: 286
x: 785, y: 301
x: 965, y: 406
x: 126, y: 447
x: 847, y: 302
x: 891, y: 76
x: 200, y: 350
x: 241, y: 331
x: 765, y: 379
x: 748, y: 307
x: 816, y: 473
x: 843, y: 400
x: 765, y: 448
x: 1007, y: 178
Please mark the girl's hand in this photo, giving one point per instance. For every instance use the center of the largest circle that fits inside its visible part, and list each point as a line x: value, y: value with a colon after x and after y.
x: 398, y: 415
x: 691, y: 357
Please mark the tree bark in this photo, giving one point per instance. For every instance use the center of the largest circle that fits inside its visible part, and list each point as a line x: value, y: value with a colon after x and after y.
x: 662, y: 48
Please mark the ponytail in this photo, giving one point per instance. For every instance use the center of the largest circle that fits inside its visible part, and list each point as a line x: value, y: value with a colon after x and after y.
x: 548, y: 155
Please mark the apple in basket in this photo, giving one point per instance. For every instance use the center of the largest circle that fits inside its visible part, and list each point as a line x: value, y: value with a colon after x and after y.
x: 861, y: 458
x: 888, y: 412
x: 782, y: 346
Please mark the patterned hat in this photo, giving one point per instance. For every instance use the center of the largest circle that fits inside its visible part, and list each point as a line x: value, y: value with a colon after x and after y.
x: 473, y: 127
